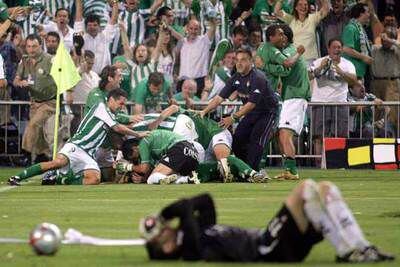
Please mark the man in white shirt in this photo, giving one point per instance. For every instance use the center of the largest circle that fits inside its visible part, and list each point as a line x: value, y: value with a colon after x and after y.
x: 332, y: 76
x: 195, y: 54
x: 60, y: 26
x: 89, y: 81
x: 96, y: 40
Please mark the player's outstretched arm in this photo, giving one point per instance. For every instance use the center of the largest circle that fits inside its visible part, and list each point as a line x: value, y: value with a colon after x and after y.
x: 122, y: 129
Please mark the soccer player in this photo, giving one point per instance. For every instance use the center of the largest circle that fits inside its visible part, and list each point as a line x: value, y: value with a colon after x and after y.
x: 259, y: 109
x: 311, y: 212
x: 78, y: 153
x: 163, y: 157
x: 216, y: 140
x: 295, y: 94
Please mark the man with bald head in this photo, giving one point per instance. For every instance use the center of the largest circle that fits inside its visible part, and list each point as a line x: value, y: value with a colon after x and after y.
x: 194, y: 54
x: 188, y: 93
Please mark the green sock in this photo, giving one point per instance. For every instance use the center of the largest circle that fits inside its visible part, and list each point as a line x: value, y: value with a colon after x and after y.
x: 207, y: 171
x: 239, y: 168
x: 30, y: 172
x: 70, y: 178
x: 290, y: 165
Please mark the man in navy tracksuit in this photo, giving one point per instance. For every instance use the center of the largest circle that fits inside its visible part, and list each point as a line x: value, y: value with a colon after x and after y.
x: 257, y: 115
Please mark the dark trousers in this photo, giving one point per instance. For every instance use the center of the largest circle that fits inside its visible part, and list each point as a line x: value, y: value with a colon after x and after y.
x: 250, y: 137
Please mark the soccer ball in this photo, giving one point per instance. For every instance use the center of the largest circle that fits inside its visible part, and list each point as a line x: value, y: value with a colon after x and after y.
x: 45, y: 239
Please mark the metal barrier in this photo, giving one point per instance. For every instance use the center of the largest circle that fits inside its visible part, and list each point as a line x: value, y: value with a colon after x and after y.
x: 304, y: 143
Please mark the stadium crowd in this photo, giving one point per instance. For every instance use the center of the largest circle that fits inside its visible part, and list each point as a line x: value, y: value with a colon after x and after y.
x: 165, y: 56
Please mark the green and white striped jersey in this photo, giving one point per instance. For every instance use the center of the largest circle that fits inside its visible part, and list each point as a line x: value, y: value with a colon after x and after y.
x: 223, y: 10
x: 97, y: 7
x: 34, y: 19
x: 135, y: 25
x: 167, y: 124
x: 182, y: 13
x: 94, y: 128
x: 140, y: 72
x: 53, y: 5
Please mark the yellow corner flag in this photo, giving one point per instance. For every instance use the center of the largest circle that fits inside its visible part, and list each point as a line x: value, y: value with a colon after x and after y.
x: 63, y: 70
x: 65, y: 76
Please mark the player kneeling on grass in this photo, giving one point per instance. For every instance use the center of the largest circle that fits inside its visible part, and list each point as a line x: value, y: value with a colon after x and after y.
x: 163, y: 157
x: 311, y: 212
x: 78, y: 153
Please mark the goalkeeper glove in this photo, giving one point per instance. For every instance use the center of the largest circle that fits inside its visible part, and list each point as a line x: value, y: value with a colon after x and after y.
x: 124, y: 167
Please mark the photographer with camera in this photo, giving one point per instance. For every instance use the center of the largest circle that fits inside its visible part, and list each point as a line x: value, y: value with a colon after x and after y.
x: 332, y: 76
x: 95, y: 39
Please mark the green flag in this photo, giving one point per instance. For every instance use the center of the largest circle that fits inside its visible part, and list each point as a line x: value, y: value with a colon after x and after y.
x: 63, y: 70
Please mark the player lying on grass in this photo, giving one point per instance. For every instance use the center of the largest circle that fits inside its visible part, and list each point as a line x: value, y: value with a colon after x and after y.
x: 78, y: 153
x: 216, y: 140
x: 312, y: 211
x: 163, y: 157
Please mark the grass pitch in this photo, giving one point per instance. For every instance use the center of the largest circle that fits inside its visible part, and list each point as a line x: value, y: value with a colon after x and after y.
x: 113, y: 211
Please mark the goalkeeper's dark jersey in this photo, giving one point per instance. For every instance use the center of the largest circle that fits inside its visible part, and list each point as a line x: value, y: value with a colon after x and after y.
x: 204, y: 240
x: 200, y: 238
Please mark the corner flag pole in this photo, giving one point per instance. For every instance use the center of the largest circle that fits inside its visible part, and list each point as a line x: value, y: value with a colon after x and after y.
x: 65, y: 76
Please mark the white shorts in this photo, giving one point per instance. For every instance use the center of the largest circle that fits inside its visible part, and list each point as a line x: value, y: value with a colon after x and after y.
x: 185, y: 127
x: 79, y: 160
x: 292, y: 114
x: 224, y: 137
x: 104, y: 157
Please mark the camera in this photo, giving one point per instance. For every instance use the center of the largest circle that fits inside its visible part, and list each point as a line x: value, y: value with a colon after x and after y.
x: 78, y: 42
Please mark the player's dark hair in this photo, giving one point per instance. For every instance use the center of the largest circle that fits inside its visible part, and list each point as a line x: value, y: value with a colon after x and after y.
x: 163, y: 11
x: 287, y: 31
x: 107, y: 71
x: 156, y: 78
x: 242, y: 30
x: 55, y: 35
x: 156, y: 253
x: 33, y: 37
x: 127, y: 148
x: 117, y: 93
x: 335, y: 39
x: 244, y: 51
x: 271, y: 31
x: 357, y: 10
x: 61, y: 9
x: 92, y: 18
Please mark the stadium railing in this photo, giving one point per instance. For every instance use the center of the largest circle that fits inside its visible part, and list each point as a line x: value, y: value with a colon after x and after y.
x: 11, y: 134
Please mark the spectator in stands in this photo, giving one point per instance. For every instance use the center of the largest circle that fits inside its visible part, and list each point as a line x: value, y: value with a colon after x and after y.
x: 238, y: 39
x: 5, y: 110
x: 97, y: 40
x: 356, y: 45
x: 364, y: 123
x: 90, y: 80
x: 386, y: 71
x: 183, y: 10
x: 389, y: 20
x: 134, y: 20
x: 60, y: 25
x: 139, y: 61
x: 33, y: 74
x: 264, y: 12
x: 167, y: 16
x: 216, y: 9
x: 303, y: 25
x: 162, y: 54
x: 52, y: 41
x: 221, y: 76
x: 332, y: 75
x: 8, y: 17
x: 333, y: 24
x: 150, y: 92
x: 194, y: 54
x: 255, y: 39
x: 188, y: 94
